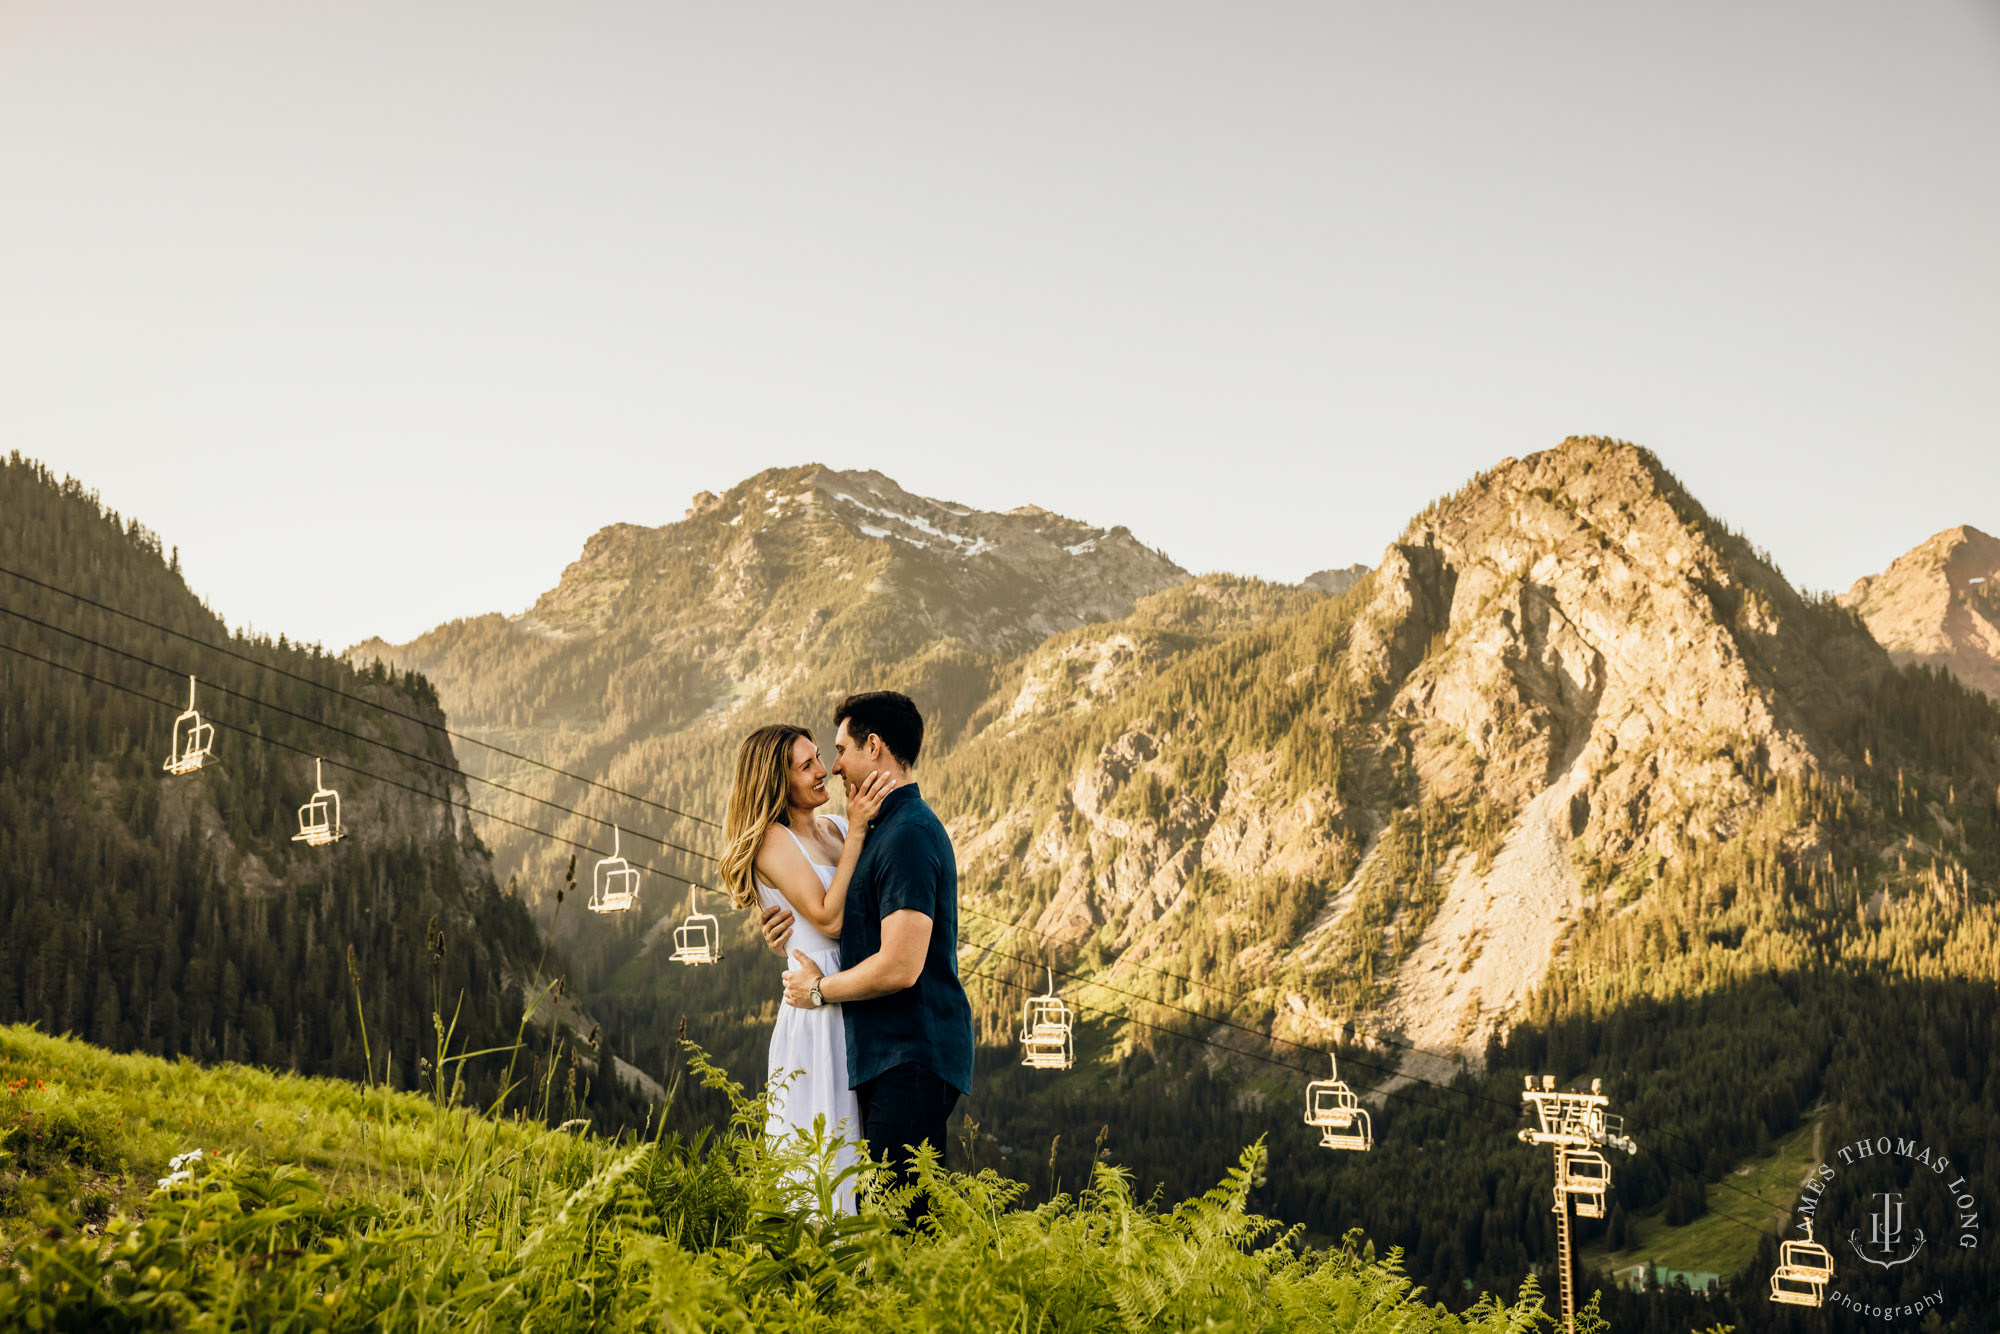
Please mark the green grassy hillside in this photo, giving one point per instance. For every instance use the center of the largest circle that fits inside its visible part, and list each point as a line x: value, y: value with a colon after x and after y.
x: 319, y: 1204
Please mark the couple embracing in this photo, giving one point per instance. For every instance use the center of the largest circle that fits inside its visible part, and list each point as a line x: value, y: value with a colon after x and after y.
x: 875, y: 1033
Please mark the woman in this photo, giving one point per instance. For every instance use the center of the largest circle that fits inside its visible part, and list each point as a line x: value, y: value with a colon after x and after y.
x: 780, y: 852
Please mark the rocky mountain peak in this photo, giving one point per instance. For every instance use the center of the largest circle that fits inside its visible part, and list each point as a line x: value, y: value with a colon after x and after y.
x: 1554, y: 681
x: 1013, y: 579
x: 1574, y: 619
x: 1571, y: 646
x: 660, y: 647
x: 1939, y: 605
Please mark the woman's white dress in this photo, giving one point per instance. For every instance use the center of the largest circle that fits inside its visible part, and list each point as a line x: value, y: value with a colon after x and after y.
x: 811, y: 1045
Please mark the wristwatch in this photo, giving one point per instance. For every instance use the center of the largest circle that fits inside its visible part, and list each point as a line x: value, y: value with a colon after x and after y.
x: 817, y: 999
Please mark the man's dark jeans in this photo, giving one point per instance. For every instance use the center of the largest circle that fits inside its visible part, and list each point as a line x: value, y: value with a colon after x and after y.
x: 903, y: 1107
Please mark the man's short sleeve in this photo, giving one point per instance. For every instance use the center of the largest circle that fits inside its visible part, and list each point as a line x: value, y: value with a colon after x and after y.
x: 907, y: 875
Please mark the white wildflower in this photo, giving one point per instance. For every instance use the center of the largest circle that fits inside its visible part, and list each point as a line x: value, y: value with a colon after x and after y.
x: 179, y: 1169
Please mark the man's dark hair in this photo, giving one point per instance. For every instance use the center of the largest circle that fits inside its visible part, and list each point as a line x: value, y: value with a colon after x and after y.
x: 889, y: 714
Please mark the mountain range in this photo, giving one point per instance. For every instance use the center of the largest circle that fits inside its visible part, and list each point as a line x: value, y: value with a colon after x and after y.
x: 660, y: 646
x: 1571, y: 781
x: 1401, y: 787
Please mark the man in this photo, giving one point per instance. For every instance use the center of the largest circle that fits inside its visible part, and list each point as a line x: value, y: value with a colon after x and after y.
x: 909, y: 1024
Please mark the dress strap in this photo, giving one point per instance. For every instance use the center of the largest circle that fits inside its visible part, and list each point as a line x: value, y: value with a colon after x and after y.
x: 802, y: 845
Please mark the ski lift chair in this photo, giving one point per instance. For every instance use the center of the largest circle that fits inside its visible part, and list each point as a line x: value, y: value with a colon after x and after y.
x: 193, y: 741
x: 1585, y: 1174
x: 1337, y: 1112
x: 319, y: 819
x: 1046, y: 1031
x: 1804, y: 1270
x: 698, y: 939
x: 614, y: 885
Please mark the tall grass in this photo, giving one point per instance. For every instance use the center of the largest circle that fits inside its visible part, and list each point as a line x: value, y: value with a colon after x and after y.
x: 446, y: 1217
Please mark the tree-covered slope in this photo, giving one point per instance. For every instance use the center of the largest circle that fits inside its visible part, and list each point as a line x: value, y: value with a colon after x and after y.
x: 1564, y: 691
x: 175, y: 914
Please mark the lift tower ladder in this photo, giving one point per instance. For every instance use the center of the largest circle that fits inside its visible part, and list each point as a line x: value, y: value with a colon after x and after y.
x: 1578, y: 1128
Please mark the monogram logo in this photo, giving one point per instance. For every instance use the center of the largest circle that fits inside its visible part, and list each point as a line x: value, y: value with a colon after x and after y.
x: 1885, y: 1232
x: 1888, y: 1189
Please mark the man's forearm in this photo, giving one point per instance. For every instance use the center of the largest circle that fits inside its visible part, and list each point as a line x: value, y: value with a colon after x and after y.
x: 876, y: 975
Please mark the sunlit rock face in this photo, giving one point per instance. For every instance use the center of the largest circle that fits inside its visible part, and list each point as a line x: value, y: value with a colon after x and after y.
x: 1939, y: 605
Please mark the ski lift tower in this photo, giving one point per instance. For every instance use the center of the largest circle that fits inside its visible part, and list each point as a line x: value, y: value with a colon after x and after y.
x: 1578, y: 1128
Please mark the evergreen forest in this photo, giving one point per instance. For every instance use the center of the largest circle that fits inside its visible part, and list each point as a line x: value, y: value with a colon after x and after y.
x: 175, y: 914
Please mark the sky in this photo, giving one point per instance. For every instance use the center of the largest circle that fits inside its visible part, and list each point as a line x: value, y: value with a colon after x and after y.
x: 377, y: 311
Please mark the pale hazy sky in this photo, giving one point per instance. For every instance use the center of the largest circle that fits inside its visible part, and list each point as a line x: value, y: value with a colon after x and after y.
x: 422, y: 294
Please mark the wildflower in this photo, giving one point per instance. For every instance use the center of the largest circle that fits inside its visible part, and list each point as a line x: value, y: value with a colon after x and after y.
x: 180, y: 1168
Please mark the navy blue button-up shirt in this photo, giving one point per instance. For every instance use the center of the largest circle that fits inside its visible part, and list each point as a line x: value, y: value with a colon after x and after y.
x: 907, y: 863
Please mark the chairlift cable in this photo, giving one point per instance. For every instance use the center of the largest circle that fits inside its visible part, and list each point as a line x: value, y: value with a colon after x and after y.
x: 1238, y: 997
x: 1157, y: 1028
x: 1083, y: 981
x: 140, y: 694
x: 1677, y: 1161
x: 346, y: 732
x: 360, y: 699
x: 1140, y: 963
x: 424, y: 759
x: 354, y: 769
x: 668, y: 875
x: 1366, y: 1065
x: 1193, y: 1037
x: 665, y: 843
x: 339, y: 764
x: 1122, y: 1017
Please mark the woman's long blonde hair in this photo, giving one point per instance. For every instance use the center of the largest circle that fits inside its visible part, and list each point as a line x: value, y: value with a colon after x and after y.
x: 756, y: 802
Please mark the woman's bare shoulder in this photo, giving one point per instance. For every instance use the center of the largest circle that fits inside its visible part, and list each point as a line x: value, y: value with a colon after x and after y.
x: 780, y: 847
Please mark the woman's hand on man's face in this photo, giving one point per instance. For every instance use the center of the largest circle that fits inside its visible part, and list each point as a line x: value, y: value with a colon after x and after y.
x: 865, y: 802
